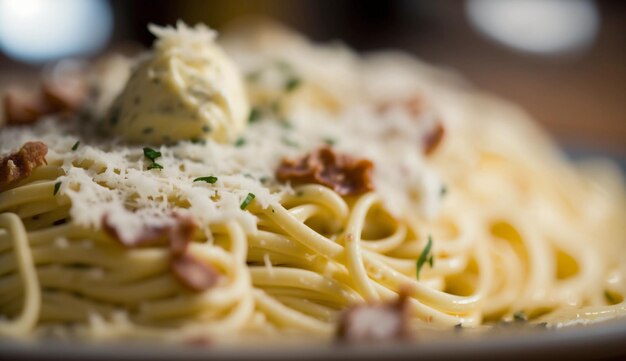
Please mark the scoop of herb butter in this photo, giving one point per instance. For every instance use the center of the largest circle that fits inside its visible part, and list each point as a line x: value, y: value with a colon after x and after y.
x: 187, y: 89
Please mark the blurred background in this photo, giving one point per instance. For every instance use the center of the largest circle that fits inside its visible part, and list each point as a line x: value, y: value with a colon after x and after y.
x: 564, y: 61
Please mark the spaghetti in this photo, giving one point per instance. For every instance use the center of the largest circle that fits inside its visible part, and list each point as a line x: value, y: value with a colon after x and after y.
x: 500, y: 221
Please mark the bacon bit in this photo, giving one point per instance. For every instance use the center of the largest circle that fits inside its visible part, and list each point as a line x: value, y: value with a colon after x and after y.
x: 22, y: 107
x: 433, y: 138
x: 344, y: 174
x: 148, y: 235
x: 181, y: 234
x: 376, y: 322
x: 64, y: 96
x: 193, y: 273
x: 19, y: 165
x: 67, y: 95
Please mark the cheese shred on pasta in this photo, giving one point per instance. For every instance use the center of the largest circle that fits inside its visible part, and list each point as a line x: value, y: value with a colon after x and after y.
x: 514, y: 226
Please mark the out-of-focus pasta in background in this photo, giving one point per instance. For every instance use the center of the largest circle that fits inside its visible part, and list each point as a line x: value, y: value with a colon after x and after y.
x: 564, y: 61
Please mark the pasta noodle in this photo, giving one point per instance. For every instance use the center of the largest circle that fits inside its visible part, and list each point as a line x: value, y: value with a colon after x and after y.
x: 516, y: 228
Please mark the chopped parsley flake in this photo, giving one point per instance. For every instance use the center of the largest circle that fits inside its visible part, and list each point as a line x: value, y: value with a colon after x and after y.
x: 210, y: 179
x: 151, y: 153
x: 255, y: 115
x: 57, y: 185
x: 240, y: 142
x: 155, y: 166
x: 246, y: 202
x: 147, y: 130
x: 198, y: 141
x: 424, y: 257
x: 75, y: 146
x: 443, y: 191
x: 206, y: 129
x: 292, y: 84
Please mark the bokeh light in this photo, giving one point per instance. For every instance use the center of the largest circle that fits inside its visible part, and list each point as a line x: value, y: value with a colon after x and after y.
x: 38, y: 31
x: 537, y: 26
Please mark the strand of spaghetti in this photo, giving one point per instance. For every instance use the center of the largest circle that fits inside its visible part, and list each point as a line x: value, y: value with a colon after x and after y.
x: 352, y: 241
x: 77, y: 254
x: 32, y: 192
x: 39, y: 208
x: 27, y: 319
x: 320, y: 312
x: 317, y: 194
x: 42, y: 173
x: 431, y: 314
x: 302, y: 279
x: 388, y: 243
x: 227, y: 294
x: 47, y: 219
x: 390, y: 278
x: 232, y: 321
x: 289, y: 317
x: 509, y: 278
x: 300, y: 232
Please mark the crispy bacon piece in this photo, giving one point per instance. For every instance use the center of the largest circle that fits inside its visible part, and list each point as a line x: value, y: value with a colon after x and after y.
x: 344, y: 174
x: 55, y: 96
x: 191, y: 272
x: 386, y: 321
x: 19, y: 165
x: 148, y: 235
x: 22, y: 107
x: 67, y: 95
x: 433, y: 138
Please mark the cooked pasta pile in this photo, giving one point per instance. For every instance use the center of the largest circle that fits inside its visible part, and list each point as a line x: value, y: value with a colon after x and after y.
x: 488, y: 221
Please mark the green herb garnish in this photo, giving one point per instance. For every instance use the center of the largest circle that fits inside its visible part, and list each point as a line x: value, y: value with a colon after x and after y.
x: 240, y: 142
x: 249, y: 198
x: 151, y: 153
x: 443, y: 191
x: 424, y: 257
x: 57, y: 185
x: 292, y: 83
x: 255, y: 115
x: 75, y: 146
x: 210, y: 179
x: 198, y: 141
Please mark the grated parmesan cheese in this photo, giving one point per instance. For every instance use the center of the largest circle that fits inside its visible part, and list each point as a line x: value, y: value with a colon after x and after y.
x: 107, y: 176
